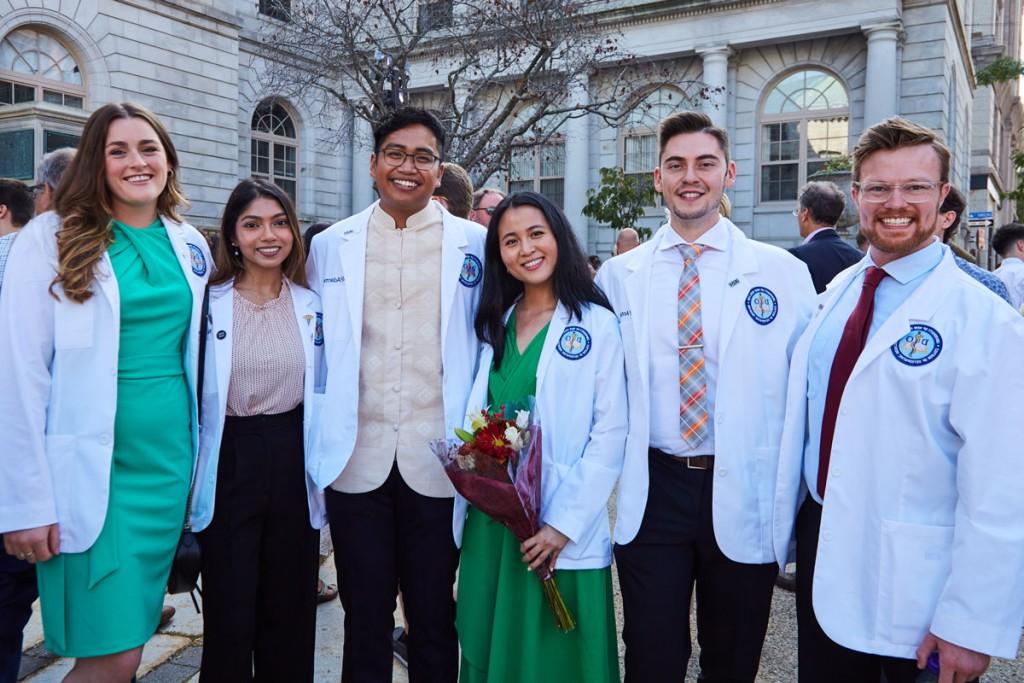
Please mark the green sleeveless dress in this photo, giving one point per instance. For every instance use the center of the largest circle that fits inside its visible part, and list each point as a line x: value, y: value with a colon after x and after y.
x: 108, y: 598
x: 506, y: 629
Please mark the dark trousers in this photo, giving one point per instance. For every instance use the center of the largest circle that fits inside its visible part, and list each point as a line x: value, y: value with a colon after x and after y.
x: 260, y: 557
x: 386, y: 539
x: 674, y: 550
x: 17, y: 593
x: 819, y: 657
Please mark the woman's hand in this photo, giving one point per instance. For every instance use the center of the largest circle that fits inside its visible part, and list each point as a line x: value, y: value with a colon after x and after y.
x: 33, y: 545
x: 543, y: 547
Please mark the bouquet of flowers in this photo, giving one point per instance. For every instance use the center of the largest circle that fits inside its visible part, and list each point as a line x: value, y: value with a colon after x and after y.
x: 496, y: 467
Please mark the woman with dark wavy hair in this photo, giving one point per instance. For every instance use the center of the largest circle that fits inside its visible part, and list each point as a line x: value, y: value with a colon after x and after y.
x: 550, y: 334
x: 99, y: 325
x: 256, y: 508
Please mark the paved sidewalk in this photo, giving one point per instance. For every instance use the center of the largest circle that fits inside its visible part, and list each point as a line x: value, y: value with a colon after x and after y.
x: 172, y: 656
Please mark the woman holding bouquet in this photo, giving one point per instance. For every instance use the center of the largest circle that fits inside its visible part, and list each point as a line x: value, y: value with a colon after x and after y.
x: 549, y: 333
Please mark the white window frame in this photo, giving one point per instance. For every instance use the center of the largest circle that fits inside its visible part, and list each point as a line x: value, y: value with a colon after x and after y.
x: 40, y: 85
x: 274, y: 141
x: 537, y: 180
x: 801, y: 118
x: 40, y: 116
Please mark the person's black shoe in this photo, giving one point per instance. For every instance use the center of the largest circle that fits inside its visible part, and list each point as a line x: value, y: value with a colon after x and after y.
x: 398, y: 646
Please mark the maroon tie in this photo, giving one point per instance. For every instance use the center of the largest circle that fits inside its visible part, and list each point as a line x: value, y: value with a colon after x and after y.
x: 855, y: 334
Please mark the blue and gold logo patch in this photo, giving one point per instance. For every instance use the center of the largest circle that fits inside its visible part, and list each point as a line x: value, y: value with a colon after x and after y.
x: 762, y: 305
x: 198, y: 260
x: 574, y: 343
x: 318, y: 330
x: 472, y: 271
x: 920, y: 346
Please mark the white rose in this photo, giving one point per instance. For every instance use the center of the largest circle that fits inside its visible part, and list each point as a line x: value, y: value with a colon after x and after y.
x: 514, y: 438
x: 522, y: 419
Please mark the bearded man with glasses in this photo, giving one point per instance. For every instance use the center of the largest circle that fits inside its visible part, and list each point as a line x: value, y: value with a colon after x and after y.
x: 400, y: 285
x: 901, y: 466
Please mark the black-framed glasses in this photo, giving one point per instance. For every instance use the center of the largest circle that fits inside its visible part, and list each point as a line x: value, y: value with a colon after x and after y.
x: 422, y: 161
x: 489, y: 210
x: 915, y: 193
x: 36, y: 190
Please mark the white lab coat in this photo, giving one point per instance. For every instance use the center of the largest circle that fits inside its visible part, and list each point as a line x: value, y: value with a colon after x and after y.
x: 581, y: 409
x: 59, y: 379
x: 753, y: 364
x: 337, y: 268
x: 217, y: 373
x: 923, y: 522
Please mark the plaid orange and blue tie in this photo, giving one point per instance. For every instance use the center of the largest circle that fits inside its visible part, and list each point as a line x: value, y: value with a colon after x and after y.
x: 693, y: 412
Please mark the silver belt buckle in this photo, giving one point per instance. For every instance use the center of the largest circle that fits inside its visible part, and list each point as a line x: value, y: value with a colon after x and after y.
x: 690, y: 466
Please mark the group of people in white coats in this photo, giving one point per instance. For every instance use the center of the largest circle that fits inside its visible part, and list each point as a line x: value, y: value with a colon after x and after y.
x: 699, y: 372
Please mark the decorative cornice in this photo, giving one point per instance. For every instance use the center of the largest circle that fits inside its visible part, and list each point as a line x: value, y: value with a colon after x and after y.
x: 667, y: 10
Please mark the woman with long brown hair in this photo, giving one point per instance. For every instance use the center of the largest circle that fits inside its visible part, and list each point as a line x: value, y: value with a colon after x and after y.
x: 99, y: 325
x: 255, y: 506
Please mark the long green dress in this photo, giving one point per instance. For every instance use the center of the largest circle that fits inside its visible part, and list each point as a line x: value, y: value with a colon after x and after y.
x: 506, y: 629
x: 108, y: 598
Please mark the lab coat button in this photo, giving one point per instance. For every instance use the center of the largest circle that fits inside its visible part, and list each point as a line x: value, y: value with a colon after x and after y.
x: 826, y: 536
x: 722, y: 471
x: 396, y: 388
x: 398, y: 345
x: 395, y: 428
x: 835, y: 472
x: 105, y: 439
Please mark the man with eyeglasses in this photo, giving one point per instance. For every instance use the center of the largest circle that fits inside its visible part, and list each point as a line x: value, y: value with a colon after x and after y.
x: 484, y: 202
x: 400, y: 284
x: 823, y: 250
x: 901, y: 464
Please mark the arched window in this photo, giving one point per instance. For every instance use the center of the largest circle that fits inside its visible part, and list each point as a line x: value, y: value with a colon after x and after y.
x: 42, y: 97
x: 274, y: 147
x: 805, y: 121
x: 640, y: 131
x: 36, y: 67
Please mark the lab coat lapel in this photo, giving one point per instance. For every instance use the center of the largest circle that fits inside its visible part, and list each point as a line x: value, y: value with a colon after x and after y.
x: 305, y: 317
x: 221, y: 336
x: 919, y: 306
x: 637, y: 286
x: 108, y: 287
x: 556, y: 327
x: 453, y: 255
x: 742, y: 262
x: 353, y: 265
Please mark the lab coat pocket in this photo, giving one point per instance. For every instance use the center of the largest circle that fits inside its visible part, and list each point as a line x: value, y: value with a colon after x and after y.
x: 60, y: 454
x: 73, y: 327
x: 914, y: 564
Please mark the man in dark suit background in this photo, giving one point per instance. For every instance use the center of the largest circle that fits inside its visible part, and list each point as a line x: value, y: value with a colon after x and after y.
x: 823, y: 250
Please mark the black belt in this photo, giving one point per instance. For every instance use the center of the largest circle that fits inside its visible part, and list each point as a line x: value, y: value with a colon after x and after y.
x: 693, y: 462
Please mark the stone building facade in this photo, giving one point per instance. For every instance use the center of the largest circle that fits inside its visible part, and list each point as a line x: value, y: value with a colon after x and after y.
x: 799, y: 81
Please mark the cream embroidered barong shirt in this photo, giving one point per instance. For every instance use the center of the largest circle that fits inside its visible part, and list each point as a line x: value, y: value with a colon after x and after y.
x: 400, y: 400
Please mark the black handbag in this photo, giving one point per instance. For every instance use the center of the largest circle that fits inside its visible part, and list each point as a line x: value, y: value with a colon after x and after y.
x: 185, y: 566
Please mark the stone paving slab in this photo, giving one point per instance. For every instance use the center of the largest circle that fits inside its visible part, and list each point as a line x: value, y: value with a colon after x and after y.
x: 173, y: 655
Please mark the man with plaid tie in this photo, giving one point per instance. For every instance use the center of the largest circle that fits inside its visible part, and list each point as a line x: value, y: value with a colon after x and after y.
x: 708, y: 320
x: 902, y: 463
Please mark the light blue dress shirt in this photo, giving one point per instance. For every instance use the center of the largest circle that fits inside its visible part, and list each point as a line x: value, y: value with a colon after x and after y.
x: 905, y: 275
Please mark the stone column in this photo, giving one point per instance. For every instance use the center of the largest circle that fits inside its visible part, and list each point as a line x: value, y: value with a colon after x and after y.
x: 882, y: 72
x: 716, y: 78
x: 577, y: 166
x: 362, y: 147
